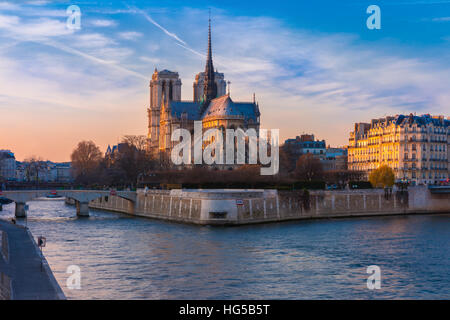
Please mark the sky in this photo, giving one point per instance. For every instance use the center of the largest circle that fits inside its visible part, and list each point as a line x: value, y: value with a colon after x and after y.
x: 314, y: 66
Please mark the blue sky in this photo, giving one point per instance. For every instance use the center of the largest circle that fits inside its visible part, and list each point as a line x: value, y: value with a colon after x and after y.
x: 314, y: 65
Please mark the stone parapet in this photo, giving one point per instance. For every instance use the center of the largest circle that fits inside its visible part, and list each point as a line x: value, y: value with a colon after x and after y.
x: 245, y: 206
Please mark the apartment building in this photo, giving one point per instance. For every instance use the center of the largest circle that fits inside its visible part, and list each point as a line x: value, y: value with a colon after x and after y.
x: 415, y: 147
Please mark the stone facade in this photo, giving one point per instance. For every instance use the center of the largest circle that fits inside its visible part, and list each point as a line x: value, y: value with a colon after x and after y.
x: 236, y: 207
x: 210, y: 105
x: 5, y: 281
x: 415, y: 147
x: 5, y: 287
x: 7, y: 165
x: 199, y: 84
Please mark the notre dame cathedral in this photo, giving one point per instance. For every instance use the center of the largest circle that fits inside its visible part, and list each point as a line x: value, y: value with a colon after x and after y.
x: 211, y: 105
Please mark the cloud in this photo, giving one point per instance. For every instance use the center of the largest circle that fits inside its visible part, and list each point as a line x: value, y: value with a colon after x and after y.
x: 109, y: 63
x: 150, y: 60
x: 33, y: 29
x: 55, y: 98
x: 92, y: 40
x: 38, y: 2
x: 8, y: 22
x: 32, y: 8
x: 103, y: 23
x: 304, y: 81
x: 130, y: 35
x: 333, y: 69
x: 8, y: 6
x: 441, y: 19
x: 313, y: 81
x: 96, y: 47
x: 150, y: 19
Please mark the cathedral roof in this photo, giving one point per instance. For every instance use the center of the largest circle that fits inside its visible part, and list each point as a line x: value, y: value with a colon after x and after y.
x: 219, y: 107
x: 192, y: 109
x: 224, y: 106
x: 165, y: 71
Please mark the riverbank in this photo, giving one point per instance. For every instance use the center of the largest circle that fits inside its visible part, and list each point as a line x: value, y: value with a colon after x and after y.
x: 125, y: 257
x: 21, y: 275
x: 240, y: 207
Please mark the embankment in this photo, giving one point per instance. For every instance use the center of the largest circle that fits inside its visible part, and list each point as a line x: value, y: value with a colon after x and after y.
x: 24, y: 274
x: 234, y: 207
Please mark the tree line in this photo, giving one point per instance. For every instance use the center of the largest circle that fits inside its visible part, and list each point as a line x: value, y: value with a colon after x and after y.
x: 122, y: 168
x: 133, y: 166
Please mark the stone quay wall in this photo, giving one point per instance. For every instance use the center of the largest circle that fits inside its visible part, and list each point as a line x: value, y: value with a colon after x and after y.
x: 5, y: 287
x: 4, y: 248
x: 228, y: 207
x: 5, y: 282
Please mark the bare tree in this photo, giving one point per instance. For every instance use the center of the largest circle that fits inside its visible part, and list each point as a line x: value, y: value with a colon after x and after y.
x: 133, y: 157
x: 34, y: 166
x: 138, y: 142
x: 287, y: 159
x: 85, y: 158
x: 308, y: 168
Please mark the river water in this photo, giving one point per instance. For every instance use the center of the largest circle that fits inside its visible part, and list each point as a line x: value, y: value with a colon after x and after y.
x: 123, y: 257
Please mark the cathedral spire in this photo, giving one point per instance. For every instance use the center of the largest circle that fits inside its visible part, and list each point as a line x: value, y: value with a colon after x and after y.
x: 210, y: 88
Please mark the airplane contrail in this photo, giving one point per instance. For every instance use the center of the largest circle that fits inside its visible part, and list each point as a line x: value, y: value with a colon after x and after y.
x: 93, y: 58
x: 179, y: 42
x: 191, y: 50
x: 150, y: 19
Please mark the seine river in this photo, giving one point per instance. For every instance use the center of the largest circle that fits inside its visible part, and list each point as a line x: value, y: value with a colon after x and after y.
x: 122, y: 257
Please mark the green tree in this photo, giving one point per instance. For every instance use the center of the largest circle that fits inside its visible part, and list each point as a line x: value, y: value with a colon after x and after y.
x: 382, y: 177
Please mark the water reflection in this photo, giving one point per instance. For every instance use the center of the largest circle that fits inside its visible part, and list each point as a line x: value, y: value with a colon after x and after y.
x: 122, y: 257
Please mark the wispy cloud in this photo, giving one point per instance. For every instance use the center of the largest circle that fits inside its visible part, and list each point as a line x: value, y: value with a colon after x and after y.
x: 130, y: 35
x: 47, y: 31
x: 103, y: 23
x: 31, y: 30
x: 9, y: 6
x: 38, y: 2
x: 96, y: 60
x: 304, y: 81
x: 441, y: 19
x: 149, y: 19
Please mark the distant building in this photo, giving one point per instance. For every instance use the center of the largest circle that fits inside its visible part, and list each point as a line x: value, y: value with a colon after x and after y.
x: 306, y: 144
x: 415, y: 147
x: 48, y: 172
x: 21, y: 171
x: 335, y: 159
x: 64, y: 172
x: 114, y: 153
x: 7, y: 165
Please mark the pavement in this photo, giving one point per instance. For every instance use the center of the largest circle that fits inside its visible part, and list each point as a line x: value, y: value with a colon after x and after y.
x: 29, y: 281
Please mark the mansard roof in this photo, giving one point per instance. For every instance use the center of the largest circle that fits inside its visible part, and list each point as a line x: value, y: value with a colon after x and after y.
x: 223, y: 106
x: 421, y: 120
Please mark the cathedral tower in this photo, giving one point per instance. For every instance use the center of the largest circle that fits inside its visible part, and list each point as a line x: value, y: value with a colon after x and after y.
x: 163, y: 83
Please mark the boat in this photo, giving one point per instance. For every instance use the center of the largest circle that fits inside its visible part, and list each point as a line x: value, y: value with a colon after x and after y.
x: 5, y: 200
x: 53, y: 195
